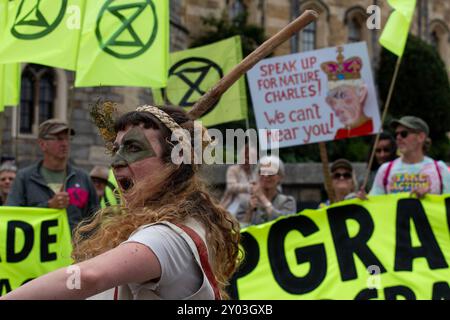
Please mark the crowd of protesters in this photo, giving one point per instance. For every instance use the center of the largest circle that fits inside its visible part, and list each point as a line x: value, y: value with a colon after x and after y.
x: 253, y: 193
x: 253, y: 196
x: 53, y: 182
x: 401, y: 164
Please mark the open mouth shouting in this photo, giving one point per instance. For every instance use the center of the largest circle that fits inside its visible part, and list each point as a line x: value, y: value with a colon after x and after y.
x: 125, y: 183
x: 134, y: 158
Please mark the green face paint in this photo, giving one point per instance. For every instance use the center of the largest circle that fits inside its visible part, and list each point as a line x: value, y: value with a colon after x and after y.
x: 134, y: 147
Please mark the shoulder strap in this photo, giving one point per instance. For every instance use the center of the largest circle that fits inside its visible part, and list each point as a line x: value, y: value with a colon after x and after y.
x: 203, y: 253
x: 386, y: 175
x: 440, y: 176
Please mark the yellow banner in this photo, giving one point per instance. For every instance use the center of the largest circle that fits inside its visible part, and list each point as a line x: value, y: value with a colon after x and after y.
x: 194, y: 71
x: 389, y: 247
x: 33, y: 242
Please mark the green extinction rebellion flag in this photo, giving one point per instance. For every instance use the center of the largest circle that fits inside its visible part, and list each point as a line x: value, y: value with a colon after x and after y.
x: 10, y: 86
x: 2, y: 26
x: 2, y: 104
x: 42, y: 31
x: 33, y: 242
x: 9, y: 73
x: 3, y: 11
x: 192, y: 72
x: 124, y: 43
x: 3, y: 4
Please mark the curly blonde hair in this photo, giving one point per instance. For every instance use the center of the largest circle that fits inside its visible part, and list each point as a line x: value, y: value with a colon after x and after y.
x: 175, y: 194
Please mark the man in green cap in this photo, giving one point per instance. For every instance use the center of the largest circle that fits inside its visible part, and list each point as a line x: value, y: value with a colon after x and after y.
x: 53, y: 182
x: 413, y: 171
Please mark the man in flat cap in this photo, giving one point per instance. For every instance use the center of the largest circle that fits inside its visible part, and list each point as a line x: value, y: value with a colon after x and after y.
x: 413, y: 171
x: 53, y: 182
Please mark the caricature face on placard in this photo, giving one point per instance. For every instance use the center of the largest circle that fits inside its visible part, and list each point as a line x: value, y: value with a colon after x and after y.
x: 347, y: 95
x: 347, y: 102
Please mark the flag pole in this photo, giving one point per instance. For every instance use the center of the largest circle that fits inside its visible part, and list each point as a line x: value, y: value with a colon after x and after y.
x: 383, y: 117
x: 2, y: 121
x: 69, y: 124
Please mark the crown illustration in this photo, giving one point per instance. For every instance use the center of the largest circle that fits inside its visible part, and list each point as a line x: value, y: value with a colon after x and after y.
x: 348, y: 69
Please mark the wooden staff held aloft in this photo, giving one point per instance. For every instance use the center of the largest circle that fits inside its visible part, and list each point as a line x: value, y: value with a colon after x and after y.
x: 213, y: 95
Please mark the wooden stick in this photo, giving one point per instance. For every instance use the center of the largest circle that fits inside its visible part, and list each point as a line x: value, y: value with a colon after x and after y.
x: 326, y: 172
x: 17, y: 132
x: 383, y: 117
x: 69, y: 124
x: 2, y: 121
x: 213, y: 95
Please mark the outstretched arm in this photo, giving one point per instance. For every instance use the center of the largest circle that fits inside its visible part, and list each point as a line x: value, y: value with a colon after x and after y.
x: 127, y: 263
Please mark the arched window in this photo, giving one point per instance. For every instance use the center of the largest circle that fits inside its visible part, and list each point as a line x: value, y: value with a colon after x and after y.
x: 37, y: 101
x: 355, y: 19
x: 354, y: 31
x: 316, y: 34
x: 308, y: 37
x: 46, y: 96
x: 26, y: 102
x: 434, y: 40
x: 439, y: 38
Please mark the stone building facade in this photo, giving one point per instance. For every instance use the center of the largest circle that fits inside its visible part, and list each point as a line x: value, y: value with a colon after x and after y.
x: 48, y: 92
x: 340, y: 21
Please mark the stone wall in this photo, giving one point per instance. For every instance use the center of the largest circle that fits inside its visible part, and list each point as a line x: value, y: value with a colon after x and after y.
x: 304, y: 181
x: 332, y: 26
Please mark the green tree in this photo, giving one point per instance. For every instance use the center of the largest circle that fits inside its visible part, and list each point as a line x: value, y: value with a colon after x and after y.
x: 422, y: 89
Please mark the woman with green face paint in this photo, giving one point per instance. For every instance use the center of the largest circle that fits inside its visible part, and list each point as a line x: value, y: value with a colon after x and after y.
x: 169, y: 240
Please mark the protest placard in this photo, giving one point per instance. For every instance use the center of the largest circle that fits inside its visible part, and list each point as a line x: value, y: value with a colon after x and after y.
x: 315, y: 96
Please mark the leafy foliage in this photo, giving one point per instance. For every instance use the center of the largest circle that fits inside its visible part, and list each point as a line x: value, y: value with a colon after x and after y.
x: 422, y: 89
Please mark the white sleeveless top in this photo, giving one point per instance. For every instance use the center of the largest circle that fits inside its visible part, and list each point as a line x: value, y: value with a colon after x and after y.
x: 193, y: 235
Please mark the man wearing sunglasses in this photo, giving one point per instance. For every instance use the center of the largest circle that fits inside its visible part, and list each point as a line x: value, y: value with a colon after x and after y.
x: 413, y: 172
x: 53, y: 182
